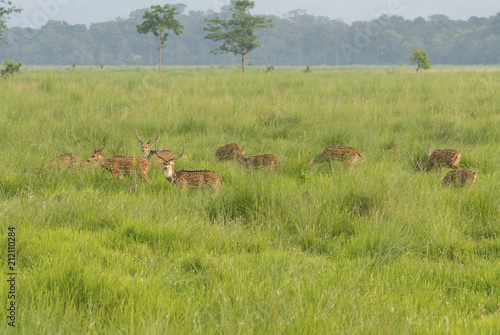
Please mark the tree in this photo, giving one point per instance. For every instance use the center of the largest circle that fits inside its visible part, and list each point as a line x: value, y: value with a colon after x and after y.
x: 237, y: 33
x: 10, y: 68
x: 6, y: 9
x: 158, y: 21
x: 420, y: 57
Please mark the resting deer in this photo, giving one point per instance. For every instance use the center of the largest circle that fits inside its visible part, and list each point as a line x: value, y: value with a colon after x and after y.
x: 189, y: 179
x: 152, y: 154
x: 261, y: 161
x: 227, y: 152
x: 121, y: 164
x: 61, y: 162
x: 338, y: 153
x: 438, y: 159
x: 460, y: 178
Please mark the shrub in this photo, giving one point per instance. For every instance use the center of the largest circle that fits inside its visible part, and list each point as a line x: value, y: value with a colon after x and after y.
x: 10, y: 68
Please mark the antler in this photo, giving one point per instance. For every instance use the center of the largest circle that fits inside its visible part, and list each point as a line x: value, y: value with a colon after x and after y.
x: 415, y: 160
x: 184, y: 146
x: 161, y: 158
x: 138, y: 137
x: 103, y: 145
x: 428, y: 153
x: 156, y: 139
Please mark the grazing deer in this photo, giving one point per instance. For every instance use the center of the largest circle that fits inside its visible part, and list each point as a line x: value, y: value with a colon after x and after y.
x: 438, y: 159
x: 261, y: 161
x: 227, y: 152
x: 189, y: 179
x: 339, y: 153
x: 84, y: 165
x: 121, y: 164
x: 460, y: 178
x: 61, y: 162
x: 152, y: 154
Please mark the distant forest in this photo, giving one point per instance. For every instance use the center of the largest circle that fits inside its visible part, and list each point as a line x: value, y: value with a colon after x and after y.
x: 298, y: 38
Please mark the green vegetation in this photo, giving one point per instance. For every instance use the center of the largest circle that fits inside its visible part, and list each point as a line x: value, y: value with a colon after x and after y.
x: 374, y: 249
x: 6, y: 9
x: 421, y: 58
x: 296, y: 39
x: 10, y: 68
x: 158, y: 22
x: 238, y: 34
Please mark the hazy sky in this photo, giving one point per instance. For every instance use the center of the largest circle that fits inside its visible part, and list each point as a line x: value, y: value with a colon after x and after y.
x: 37, y: 12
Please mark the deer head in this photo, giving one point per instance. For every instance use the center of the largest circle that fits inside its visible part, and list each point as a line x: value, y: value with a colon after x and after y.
x: 97, y: 156
x: 146, y: 147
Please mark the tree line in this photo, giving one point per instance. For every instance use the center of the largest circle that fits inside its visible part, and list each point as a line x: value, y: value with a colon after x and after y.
x: 296, y: 39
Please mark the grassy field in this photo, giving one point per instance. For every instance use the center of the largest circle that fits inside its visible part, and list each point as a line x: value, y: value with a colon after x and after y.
x: 378, y: 249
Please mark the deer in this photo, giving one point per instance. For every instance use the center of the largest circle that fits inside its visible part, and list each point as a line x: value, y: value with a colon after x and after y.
x: 227, y: 152
x: 438, y: 159
x: 121, y: 164
x: 61, y: 162
x: 460, y: 178
x: 260, y: 161
x: 189, y: 179
x: 338, y: 153
x: 151, y: 154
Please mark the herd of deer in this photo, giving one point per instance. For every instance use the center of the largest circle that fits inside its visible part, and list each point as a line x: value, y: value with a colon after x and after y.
x: 119, y: 165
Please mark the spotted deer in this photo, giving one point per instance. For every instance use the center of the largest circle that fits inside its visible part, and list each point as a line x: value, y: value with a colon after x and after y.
x: 61, y: 162
x: 460, y: 178
x: 267, y: 160
x: 227, y: 152
x: 189, y: 179
x: 338, y: 153
x: 151, y: 155
x: 121, y: 164
x: 438, y: 159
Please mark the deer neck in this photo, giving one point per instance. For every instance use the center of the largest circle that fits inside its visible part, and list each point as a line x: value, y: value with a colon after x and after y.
x: 105, y: 162
x: 170, y: 175
x: 241, y: 159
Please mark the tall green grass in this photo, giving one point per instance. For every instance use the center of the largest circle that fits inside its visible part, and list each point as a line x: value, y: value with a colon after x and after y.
x: 374, y: 249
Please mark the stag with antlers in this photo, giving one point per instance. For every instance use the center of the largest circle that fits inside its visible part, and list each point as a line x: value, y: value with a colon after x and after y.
x: 119, y: 165
x: 189, y: 179
x: 438, y: 159
x: 152, y: 155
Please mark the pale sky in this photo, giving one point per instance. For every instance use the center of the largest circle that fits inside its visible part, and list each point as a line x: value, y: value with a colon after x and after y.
x: 37, y: 12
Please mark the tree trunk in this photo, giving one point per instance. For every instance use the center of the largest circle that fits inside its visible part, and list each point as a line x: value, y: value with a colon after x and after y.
x: 159, y: 54
x: 243, y: 59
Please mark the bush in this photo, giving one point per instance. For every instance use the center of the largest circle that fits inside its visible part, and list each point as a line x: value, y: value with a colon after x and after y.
x: 10, y: 68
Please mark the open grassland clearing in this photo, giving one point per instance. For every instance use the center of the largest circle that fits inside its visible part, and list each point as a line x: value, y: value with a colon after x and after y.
x: 378, y: 248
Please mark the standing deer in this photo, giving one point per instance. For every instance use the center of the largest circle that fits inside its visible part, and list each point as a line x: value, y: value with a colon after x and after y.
x: 227, y: 152
x: 121, y: 164
x: 438, y: 159
x: 460, y: 178
x: 152, y: 154
x: 261, y: 161
x: 338, y: 153
x: 189, y: 179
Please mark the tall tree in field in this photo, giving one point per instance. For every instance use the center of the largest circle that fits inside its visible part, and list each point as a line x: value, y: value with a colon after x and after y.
x: 237, y: 33
x: 6, y: 9
x: 420, y: 57
x: 159, y: 21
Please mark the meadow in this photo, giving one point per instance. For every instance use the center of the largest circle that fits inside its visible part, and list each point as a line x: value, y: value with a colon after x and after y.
x: 376, y: 249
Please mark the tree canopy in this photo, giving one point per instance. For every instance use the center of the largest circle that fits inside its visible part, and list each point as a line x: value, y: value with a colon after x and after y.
x: 237, y: 32
x: 6, y: 9
x: 296, y: 39
x: 421, y: 58
x: 159, y: 21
